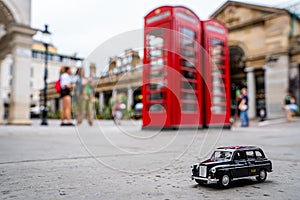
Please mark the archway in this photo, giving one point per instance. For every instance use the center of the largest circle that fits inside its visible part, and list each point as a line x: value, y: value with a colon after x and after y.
x: 237, y: 75
x: 16, y: 40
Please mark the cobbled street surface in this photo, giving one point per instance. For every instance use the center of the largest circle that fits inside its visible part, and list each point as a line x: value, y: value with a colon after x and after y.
x: 105, y: 161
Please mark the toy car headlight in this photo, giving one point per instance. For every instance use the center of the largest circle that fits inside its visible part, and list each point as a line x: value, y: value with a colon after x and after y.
x: 213, y: 170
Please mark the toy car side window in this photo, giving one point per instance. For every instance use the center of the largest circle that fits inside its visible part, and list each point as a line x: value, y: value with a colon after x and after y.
x: 250, y: 155
x: 259, y: 155
x: 239, y: 155
x: 221, y: 155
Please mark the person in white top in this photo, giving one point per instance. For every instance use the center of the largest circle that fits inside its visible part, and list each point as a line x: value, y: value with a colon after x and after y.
x: 65, y: 94
x: 65, y: 80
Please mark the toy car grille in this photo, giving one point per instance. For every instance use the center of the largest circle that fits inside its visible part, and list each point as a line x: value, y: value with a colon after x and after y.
x: 202, y: 171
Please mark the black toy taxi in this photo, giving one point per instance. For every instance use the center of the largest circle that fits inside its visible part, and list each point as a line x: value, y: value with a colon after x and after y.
x: 232, y: 163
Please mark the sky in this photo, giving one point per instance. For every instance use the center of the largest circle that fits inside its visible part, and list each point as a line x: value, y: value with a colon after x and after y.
x: 80, y: 26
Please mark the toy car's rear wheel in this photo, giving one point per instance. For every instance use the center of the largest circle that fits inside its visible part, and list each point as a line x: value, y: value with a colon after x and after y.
x: 262, y: 175
x: 224, y: 180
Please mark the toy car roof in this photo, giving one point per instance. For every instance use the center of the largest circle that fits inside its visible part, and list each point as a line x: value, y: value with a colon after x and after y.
x: 232, y: 148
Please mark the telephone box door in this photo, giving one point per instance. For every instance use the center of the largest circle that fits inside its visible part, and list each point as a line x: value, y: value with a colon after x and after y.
x: 188, y: 62
x: 217, y: 76
x: 155, y: 76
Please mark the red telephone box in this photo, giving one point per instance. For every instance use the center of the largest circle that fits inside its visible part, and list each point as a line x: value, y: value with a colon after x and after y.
x: 172, y: 81
x: 216, y: 73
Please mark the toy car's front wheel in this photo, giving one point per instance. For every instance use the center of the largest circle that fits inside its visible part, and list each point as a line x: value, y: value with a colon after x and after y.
x: 224, y: 180
x: 262, y: 175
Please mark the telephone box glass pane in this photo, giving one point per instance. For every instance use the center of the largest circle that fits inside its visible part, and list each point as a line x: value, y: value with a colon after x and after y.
x: 188, y: 74
x: 218, y: 74
x: 188, y: 53
x: 217, y: 51
x: 189, y: 96
x: 156, y: 74
x: 217, y: 80
x: 189, y: 85
x: 188, y: 49
x: 218, y: 90
x: 188, y: 32
x: 218, y: 99
x: 187, y: 64
x: 157, y: 56
x: 189, y: 107
x: 158, y: 62
x: 156, y: 53
x: 156, y: 107
x: 157, y: 86
x: 187, y: 42
x: 156, y: 96
x: 218, y: 109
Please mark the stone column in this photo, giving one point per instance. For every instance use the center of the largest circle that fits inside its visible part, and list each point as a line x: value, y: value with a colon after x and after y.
x: 276, y: 84
x: 251, y: 92
x: 129, y: 97
x: 1, y: 96
x: 114, y: 94
x: 4, y: 51
x: 101, y: 102
x: 19, y: 109
x: 294, y: 77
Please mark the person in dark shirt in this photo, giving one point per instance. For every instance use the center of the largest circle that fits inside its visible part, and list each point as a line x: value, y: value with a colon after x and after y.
x: 243, y: 107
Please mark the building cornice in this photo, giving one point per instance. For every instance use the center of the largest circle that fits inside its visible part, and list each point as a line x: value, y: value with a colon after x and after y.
x: 20, y: 28
x: 255, y: 22
x: 250, y: 6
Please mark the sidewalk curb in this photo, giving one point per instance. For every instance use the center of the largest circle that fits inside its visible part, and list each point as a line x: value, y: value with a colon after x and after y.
x: 271, y: 122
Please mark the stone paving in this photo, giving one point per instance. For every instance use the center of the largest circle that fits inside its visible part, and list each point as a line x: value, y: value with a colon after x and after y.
x: 106, y: 161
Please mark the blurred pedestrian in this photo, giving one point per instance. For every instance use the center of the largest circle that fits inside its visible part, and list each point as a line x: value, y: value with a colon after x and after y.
x: 237, y: 102
x: 83, y: 97
x: 243, y: 107
x: 65, y: 94
x: 290, y: 106
x: 117, y: 108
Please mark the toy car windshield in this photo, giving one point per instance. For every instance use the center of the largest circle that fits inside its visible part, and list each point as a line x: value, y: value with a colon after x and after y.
x: 221, y: 155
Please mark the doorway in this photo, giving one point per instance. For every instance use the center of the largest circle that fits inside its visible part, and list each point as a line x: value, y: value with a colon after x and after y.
x: 237, y: 76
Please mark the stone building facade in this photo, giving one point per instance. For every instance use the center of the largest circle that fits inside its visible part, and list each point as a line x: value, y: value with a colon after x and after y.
x: 264, y: 53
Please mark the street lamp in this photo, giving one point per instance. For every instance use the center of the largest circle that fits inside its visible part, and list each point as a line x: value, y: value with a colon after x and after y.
x: 46, y: 40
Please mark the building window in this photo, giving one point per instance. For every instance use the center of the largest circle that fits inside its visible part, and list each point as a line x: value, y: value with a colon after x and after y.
x: 11, y: 70
x: 31, y: 84
x: 42, y: 56
x: 119, y: 63
x: 31, y: 72
x: 50, y: 57
x: 56, y: 58
x: 34, y: 54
